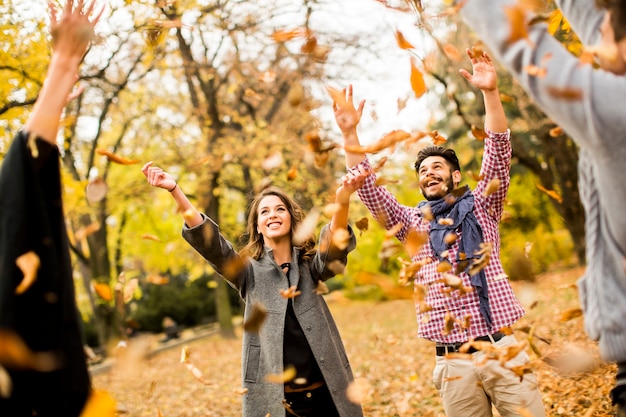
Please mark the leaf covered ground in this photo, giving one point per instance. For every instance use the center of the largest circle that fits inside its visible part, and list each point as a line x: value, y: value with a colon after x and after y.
x: 394, y: 365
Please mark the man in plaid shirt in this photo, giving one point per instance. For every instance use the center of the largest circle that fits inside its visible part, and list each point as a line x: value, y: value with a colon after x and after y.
x: 466, y: 294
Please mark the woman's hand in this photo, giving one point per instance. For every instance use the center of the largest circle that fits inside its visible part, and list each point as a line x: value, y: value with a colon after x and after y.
x: 158, y: 178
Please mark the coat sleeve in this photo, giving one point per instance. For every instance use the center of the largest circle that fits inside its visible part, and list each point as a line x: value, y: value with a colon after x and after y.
x: 584, y: 101
x: 207, y: 240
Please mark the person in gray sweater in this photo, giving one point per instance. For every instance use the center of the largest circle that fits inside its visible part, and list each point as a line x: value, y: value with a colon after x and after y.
x: 280, y: 274
x: 593, y: 115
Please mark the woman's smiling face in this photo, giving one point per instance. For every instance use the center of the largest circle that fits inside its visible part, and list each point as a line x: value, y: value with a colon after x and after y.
x: 273, y: 218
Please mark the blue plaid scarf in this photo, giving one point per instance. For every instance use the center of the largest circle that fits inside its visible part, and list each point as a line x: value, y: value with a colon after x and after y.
x: 461, y: 210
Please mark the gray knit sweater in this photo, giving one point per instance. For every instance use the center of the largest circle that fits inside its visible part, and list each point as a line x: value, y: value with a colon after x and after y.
x: 597, y: 122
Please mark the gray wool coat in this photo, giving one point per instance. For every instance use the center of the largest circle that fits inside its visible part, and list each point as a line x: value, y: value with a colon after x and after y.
x: 260, y: 281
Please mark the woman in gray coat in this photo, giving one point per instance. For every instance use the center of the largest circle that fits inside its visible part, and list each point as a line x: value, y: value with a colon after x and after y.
x: 279, y: 276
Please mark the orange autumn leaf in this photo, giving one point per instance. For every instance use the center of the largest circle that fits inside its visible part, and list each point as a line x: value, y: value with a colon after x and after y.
x: 116, y: 158
x: 288, y: 374
x: 437, y: 139
x: 338, y: 96
x: 129, y: 289
x: 402, y: 42
x: 478, y: 133
x: 100, y: 404
x: 287, y: 35
x: 29, y: 264
x: 88, y: 230
x: 452, y: 53
x: 385, y: 142
x: 157, y: 279
x: 103, y: 290
x: 148, y: 236
x: 292, y: 173
x: 517, y: 19
x: 15, y: 353
x: 291, y: 292
x: 570, y: 314
x: 418, y: 85
x: 551, y: 193
x: 492, y: 187
x: 565, y: 93
x: 556, y: 131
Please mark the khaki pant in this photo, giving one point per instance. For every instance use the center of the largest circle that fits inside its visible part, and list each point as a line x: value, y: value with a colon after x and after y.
x: 470, y: 390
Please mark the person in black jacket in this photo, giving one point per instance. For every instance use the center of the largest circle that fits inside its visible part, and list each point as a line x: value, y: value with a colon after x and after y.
x: 48, y: 376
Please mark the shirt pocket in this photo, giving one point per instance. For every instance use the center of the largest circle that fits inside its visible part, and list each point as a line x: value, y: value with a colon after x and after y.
x: 253, y: 356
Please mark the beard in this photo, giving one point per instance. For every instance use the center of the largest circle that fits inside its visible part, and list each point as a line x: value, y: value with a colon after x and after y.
x: 443, y: 190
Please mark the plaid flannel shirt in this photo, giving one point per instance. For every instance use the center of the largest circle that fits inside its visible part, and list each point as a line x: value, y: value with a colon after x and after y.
x: 431, y: 313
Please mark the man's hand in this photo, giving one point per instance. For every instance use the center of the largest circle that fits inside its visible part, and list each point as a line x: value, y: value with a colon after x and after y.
x: 484, y: 74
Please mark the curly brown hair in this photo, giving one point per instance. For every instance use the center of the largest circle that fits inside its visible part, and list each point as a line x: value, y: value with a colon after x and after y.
x: 254, y: 246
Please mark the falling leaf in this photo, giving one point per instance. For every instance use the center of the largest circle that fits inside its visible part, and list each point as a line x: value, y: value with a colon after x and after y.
x: 478, y: 133
x: 116, y: 158
x: 240, y: 391
x: 571, y: 314
x: 257, y: 317
x: 88, y: 230
x: 362, y: 224
x: 556, y: 131
x: 96, y: 190
x: 292, y: 173
x: 157, y: 279
x: 197, y: 373
x: 550, y: 193
x: 306, y: 229
x: 341, y: 238
x: 288, y: 374
x: 402, y: 42
x: 535, y: 71
x: 99, y: 404
x: 427, y: 213
x: 321, y: 288
x: 273, y: 161
x: 417, y: 80
x: 379, y: 165
x: 291, y: 292
x: 565, y: 93
x: 339, y: 97
x: 492, y: 187
x: 445, y: 221
x: 232, y: 267
x: 452, y: 378
x: 415, y: 239
x: 448, y: 324
x: 452, y: 53
x: 517, y: 20
x: 129, y: 289
x: 385, y: 142
x: 103, y: 290
x: 358, y: 390
x: 15, y: 353
x: 287, y: 35
x: 337, y: 267
x: 329, y: 210
x: 402, y: 103
x: 29, y: 264
x: 147, y: 236
x: 437, y: 139
x: 450, y: 238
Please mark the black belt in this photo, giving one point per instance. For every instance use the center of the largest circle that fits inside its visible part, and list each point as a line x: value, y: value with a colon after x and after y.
x: 443, y: 349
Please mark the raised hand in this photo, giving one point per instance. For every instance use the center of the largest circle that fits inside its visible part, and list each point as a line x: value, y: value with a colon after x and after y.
x: 484, y: 74
x: 346, y: 115
x: 73, y: 31
x: 157, y: 177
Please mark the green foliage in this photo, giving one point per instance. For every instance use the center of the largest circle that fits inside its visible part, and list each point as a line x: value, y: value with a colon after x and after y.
x: 187, y: 302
